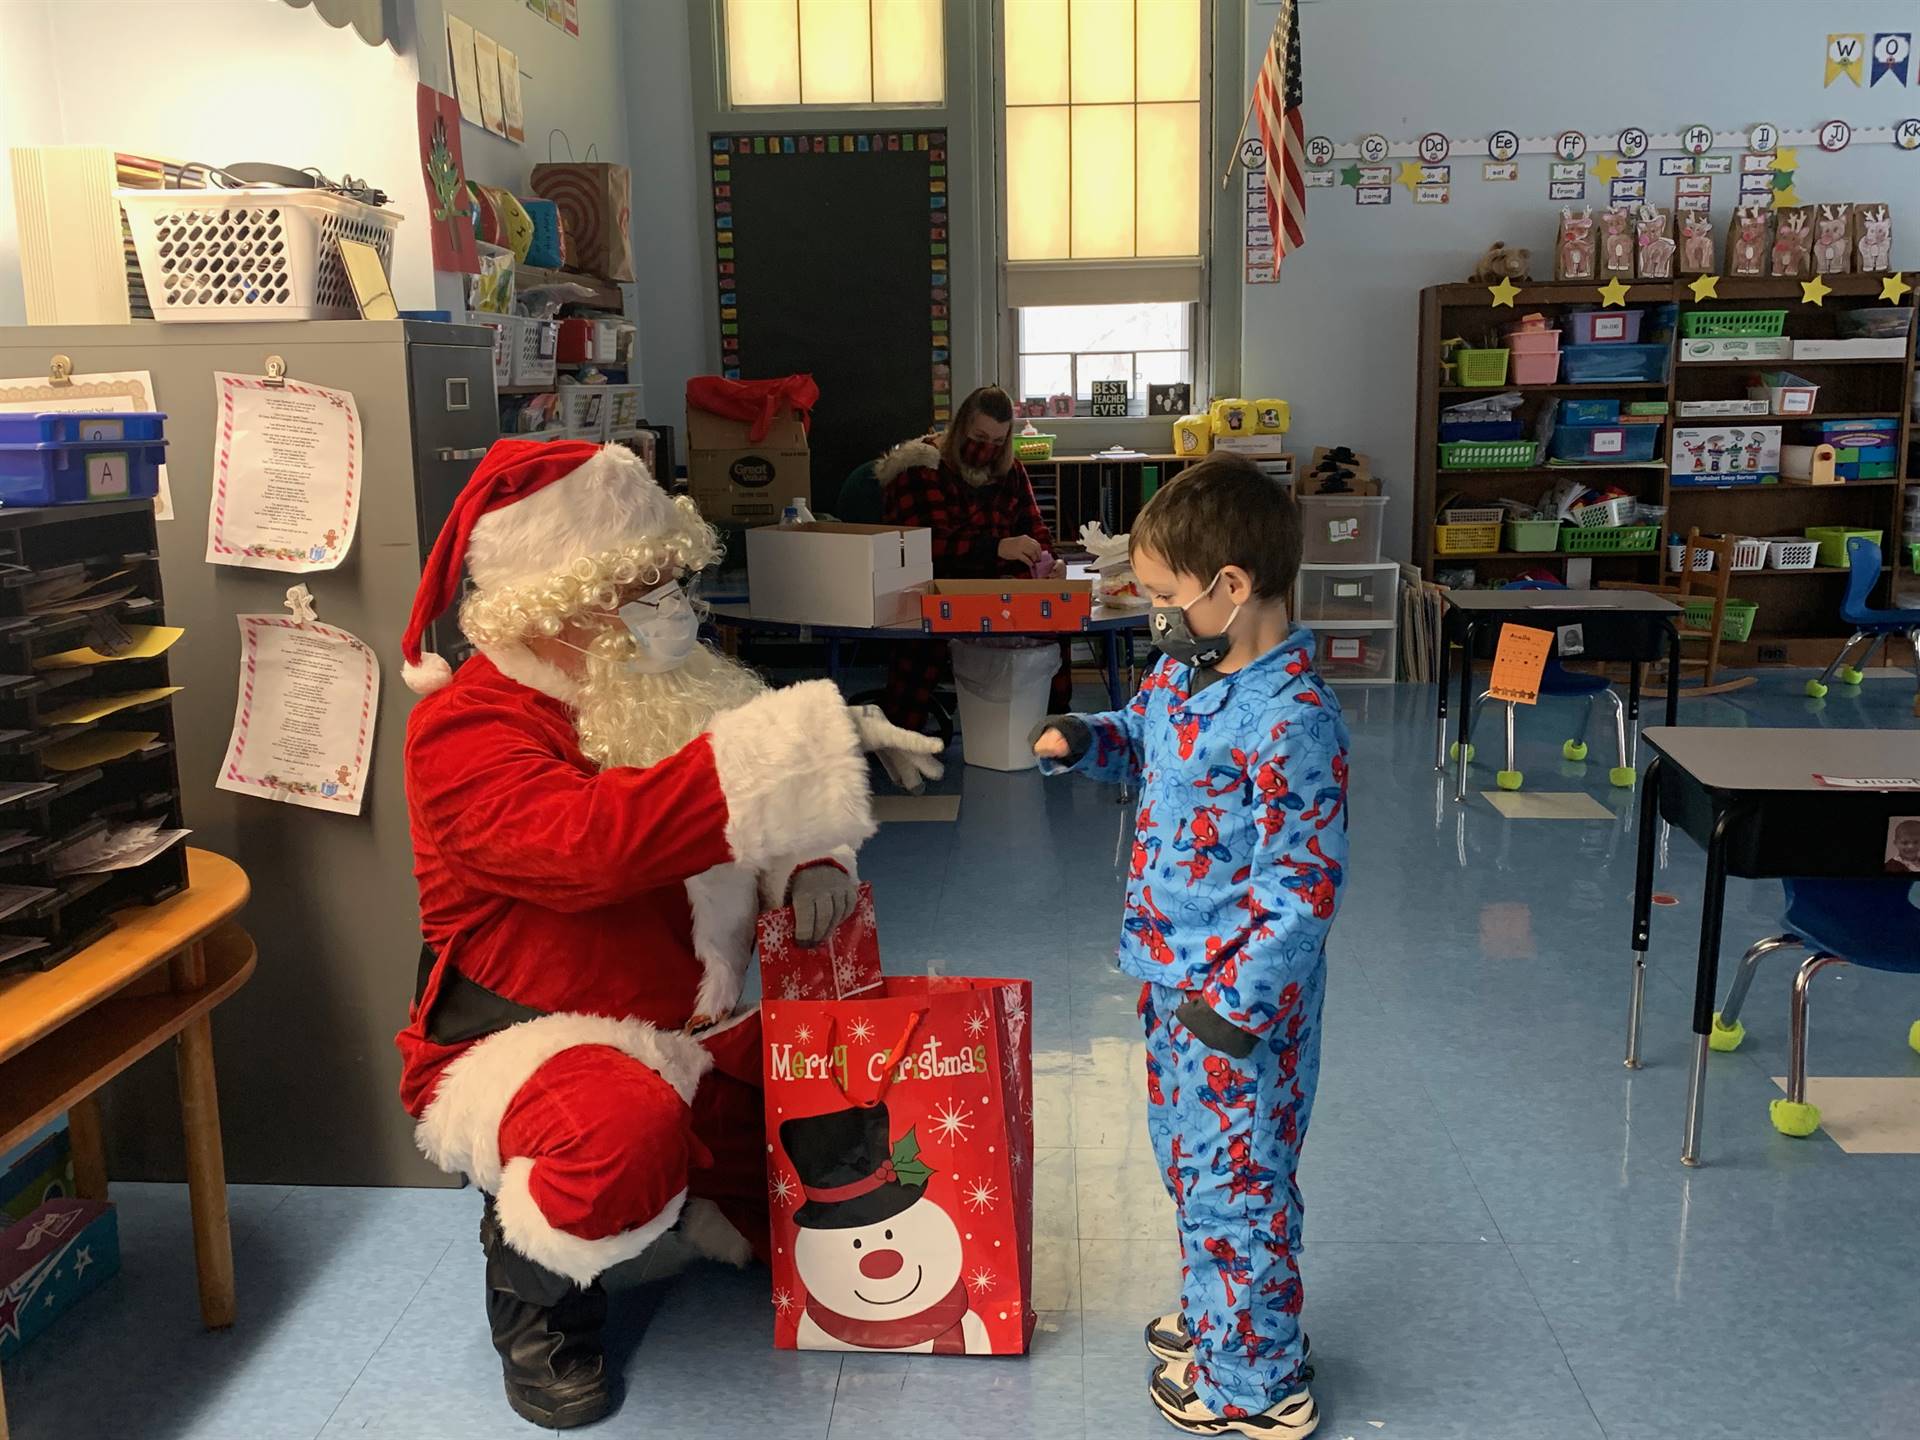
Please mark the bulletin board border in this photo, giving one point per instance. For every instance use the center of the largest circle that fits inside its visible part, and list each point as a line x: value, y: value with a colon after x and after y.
x: 932, y: 143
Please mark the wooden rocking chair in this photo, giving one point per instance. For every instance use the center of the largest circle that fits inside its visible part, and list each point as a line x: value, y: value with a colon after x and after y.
x: 1693, y: 583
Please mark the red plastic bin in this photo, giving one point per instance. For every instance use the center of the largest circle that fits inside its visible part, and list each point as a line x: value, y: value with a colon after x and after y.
x: 1540, y: 369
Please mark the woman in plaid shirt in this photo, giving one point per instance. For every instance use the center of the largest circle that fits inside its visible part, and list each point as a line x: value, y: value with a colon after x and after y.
x: 976, y: 499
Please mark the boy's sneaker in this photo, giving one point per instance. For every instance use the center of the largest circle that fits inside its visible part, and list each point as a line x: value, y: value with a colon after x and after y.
x: 1173, y: 1395
x: 1168, y: 1340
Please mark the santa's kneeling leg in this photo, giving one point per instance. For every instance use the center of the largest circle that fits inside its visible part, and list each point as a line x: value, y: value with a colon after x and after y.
x: 592, y: 1138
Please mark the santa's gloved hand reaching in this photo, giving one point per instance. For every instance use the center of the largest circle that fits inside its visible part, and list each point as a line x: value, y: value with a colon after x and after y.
x: 905, y: 755
x: 822, y: 896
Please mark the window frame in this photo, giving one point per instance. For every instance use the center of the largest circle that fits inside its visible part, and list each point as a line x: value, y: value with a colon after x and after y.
x: 1159, y: 278
x: 803, y: 108
x: 1136, y: 396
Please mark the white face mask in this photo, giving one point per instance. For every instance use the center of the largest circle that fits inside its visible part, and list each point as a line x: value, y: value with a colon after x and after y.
x: 664, y: 628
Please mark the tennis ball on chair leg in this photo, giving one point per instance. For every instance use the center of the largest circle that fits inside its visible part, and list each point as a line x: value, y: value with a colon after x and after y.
x: 1726, y: 1038
x: 1913, y: 1035
x: 1851, y: 676
x: 1507, y: 779
x: 1797, y: 1119
x: 1574, y: 750
x: 1815, y: 690
x: 1621, y: 777
x: 1453, y: 752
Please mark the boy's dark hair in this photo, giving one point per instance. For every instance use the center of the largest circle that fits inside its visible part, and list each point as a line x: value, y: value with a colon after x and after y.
x: 1222, y: 512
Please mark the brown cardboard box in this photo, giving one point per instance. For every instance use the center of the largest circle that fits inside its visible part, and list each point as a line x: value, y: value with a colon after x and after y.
x: 737, y: 482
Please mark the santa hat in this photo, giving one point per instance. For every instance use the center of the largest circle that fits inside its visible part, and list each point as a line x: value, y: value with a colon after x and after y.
x: 532, y: 508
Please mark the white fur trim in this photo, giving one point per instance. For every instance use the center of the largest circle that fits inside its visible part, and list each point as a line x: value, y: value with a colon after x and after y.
x: 609, y: 502
x: 793, y: 774
x: 460, y: 1128
x: 913, y: 455
x: 431, y: 674
x: 517, y: 662
x: 579, y: 1259
x: 709, y: 1233
x: 725, y: 904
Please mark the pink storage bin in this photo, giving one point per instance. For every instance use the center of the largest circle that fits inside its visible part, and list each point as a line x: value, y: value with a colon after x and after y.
x: 1533, y: 342
x: 1539, y: 369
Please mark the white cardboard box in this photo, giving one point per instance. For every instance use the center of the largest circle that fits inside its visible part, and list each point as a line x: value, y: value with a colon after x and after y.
x: 830, y: 574
x: 1703, y: 409
x: 1865, y: 347
x: 1738, y: 347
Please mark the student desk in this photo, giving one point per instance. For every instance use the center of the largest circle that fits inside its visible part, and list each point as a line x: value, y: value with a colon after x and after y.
x: 1630, y: 625
x: 1114, y: 628
x: 67, y: 1031
x: 1749, y: 798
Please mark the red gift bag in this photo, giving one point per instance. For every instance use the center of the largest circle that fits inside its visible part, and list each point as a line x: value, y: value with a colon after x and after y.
x: 901, y: 1167
x: 846, y: 963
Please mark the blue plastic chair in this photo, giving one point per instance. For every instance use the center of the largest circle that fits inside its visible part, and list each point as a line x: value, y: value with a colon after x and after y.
x: 1874, y: 627
x: 1874, y: 923
x: 1556, y: 679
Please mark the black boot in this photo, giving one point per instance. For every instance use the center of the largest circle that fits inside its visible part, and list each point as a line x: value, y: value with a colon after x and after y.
x: 547, y: 1330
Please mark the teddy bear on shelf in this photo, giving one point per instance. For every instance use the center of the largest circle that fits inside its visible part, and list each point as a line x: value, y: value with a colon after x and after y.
x: 1499, y: 261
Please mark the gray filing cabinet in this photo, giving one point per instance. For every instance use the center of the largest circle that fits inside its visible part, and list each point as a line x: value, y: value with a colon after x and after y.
x: 308, y: 1072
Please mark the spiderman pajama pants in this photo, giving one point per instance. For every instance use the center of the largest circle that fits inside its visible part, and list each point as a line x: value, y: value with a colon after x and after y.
x: 1227, y: 1135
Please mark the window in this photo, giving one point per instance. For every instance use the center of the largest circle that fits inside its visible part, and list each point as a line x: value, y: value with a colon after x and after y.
x: 1103, y: 129
x: 838, y: 53
x: 1063, y: 349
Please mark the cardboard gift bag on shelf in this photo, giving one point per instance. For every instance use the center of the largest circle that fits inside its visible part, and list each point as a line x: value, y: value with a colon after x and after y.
x: 595, y: 200
x: 901, y: 1167
x: 846, y: 963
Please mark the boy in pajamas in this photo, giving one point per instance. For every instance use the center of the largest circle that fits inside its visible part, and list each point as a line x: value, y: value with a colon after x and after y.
x: 1240, y: 853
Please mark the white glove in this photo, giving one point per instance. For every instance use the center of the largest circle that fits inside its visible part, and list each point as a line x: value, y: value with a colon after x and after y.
x: 907, y: 757
x: 822, y: 896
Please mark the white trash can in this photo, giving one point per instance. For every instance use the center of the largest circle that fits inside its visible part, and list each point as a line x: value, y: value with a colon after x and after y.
x: 1003, y: 694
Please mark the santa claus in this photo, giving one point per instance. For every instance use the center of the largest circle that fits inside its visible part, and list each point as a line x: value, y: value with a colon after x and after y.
x: 600, y: 807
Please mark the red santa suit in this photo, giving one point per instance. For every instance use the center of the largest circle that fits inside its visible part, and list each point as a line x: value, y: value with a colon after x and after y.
x: 576, y: 917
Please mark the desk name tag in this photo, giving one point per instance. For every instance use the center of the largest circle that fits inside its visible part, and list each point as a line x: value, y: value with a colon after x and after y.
x: 1867, y: 782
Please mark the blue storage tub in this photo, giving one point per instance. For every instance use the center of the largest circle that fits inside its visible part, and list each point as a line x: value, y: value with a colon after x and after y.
x: 1605, y: 444
x: 56, y: 474
x: 1479, y: 429
x: 1620, y: 364
x: 1588, y: 412
x: 69, y: 427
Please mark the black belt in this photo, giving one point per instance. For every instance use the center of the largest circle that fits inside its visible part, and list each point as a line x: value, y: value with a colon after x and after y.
x: 462, y: 1009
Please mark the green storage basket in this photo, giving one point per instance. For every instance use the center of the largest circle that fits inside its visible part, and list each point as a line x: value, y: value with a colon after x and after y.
x: 1533, y: 537
x: 1833, y: 542
x: 1489, y: 454
x: 1609, y: 540
x: 1913, y: 555
x: 1735, y: 626
x: 1481, y: 368
x: 1728, y: 324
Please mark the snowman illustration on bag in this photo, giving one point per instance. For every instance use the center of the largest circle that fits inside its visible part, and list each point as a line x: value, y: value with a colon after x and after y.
x: 880, y: 1262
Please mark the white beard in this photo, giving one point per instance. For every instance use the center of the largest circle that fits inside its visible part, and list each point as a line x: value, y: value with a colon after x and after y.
x: 979, y: 478
x: 624, y: 718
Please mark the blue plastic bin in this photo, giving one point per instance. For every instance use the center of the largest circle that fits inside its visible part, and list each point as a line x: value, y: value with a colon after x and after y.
x: 1588, y: 412
x: 1620, y: 364
x: 66, y: 427
x: 1605, y: 444
x: 76, y: 474
x: 1479, y: 429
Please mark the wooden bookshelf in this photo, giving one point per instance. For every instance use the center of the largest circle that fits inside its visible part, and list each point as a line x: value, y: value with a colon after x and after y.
x: 1799, y: 616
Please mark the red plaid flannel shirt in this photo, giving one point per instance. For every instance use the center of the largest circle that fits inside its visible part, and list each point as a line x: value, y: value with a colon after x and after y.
x: 968, y: 524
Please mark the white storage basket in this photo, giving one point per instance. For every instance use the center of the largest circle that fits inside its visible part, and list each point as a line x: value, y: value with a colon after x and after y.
x: 505, y: 337
x: 262, y: 254
x: 1793, y: 554
x: 1748, y: 554
x: 585, y: 411
x: 624, y: 409
x: 1608, y: 514
x: 536, y: 351
x: 1676, y: 558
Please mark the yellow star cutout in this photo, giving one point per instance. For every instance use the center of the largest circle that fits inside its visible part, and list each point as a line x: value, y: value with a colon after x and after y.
x: 1605, y: 168
x: 1893, y: 287
x: 1613, y: 293
x: 1410, y: 172
x: 1786, y: 159
x: 1705, y: 287
x: 1785, y: 199
x: 1813, y: 291
x: 1504, y: 292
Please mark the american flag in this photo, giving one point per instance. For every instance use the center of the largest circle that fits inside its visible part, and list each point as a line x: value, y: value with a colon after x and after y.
x: 1276, y: 100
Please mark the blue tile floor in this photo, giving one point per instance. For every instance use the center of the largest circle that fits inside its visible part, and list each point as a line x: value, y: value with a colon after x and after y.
x: 1501, y: 1240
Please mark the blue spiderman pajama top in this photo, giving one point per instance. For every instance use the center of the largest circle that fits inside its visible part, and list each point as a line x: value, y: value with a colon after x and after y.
x: 1239, y: 853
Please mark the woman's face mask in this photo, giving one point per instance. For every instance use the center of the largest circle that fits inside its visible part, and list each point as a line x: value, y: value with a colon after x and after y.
x: 979, y: 453
x: 664, y: 628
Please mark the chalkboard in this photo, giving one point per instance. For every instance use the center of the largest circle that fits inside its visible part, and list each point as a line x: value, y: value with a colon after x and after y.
x: 831, y: 258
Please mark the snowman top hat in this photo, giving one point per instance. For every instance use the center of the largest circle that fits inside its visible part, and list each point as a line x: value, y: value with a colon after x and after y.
x: 852, y: 1174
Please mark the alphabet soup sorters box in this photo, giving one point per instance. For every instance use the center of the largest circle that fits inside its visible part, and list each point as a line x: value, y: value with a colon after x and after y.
x: 831, y: 574
x: 738, y: 481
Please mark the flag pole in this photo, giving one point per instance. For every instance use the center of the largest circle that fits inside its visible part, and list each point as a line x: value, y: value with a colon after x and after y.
x: 1233, y: 152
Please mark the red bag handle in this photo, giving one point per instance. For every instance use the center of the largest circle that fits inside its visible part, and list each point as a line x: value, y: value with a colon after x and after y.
x: 854, y: 1091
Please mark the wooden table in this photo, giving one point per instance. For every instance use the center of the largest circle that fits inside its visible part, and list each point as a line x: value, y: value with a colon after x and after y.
x: 1750, y: 800
x: 1630, y: 625
x: 67, y: 1031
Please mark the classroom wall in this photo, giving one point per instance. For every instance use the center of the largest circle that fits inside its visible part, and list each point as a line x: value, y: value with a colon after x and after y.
x: 1336, y: 336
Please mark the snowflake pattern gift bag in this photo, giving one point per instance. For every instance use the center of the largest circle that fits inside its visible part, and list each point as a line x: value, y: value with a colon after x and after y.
x: 900, y: 1167
x: 848, y: 963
